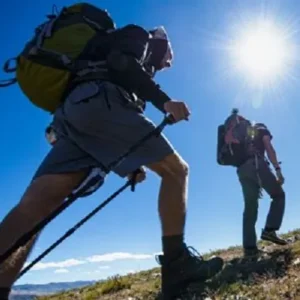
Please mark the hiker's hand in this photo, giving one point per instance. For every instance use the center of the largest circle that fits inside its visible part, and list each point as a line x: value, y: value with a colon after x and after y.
x: 280, y: 177
x: 140, y: 176
x: 178, y: 110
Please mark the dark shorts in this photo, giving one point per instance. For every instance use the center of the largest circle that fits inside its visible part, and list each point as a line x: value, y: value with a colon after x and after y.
x: 96, y: 125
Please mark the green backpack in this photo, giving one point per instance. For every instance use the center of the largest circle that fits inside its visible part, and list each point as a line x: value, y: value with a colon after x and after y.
x: 58, y: 54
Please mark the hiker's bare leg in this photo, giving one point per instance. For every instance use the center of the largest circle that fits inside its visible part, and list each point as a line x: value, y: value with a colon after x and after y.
x: 11, y: 268
x: 179, y: 267
x: 42, y: 196
x: 173, y: 171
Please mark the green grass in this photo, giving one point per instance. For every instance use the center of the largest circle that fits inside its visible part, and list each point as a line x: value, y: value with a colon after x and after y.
x: 115, y: 284
x: 275, y: 277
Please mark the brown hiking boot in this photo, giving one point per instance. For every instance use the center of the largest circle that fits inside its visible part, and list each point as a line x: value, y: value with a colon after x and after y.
x: 189, y: 267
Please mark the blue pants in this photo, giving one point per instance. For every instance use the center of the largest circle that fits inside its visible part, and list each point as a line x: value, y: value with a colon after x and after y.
x: 254, y: 175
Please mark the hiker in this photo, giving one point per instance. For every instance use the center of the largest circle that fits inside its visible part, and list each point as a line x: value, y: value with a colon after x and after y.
x: 101, y: 116
x: 244, y: 145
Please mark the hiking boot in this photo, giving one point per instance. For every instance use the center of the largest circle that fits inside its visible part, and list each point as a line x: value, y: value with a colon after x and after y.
x: 177, y: 274
x: 271, y: 236
x: 252, y: 253
x: 4, y: 293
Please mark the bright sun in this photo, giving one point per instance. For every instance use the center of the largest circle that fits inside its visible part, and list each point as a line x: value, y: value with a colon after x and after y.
x: 262, y: 52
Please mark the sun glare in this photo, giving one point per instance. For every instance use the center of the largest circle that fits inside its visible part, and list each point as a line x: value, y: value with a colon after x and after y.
x: 261, y: 52
x: 258, y: 53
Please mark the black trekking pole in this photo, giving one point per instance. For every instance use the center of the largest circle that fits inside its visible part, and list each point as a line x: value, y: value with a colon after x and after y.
x: 77, y: 226
x: 23, y: 240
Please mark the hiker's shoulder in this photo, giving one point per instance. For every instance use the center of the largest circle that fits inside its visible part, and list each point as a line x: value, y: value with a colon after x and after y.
x: 260, y: 126
x: 263, y: 129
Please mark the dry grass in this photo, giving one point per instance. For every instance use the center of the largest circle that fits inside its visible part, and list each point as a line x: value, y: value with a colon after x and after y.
x: 276, y: 276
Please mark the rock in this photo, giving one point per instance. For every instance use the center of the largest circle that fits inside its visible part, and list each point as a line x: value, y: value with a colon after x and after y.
x: 281, y: 258
x: 293, y: 239
x: 290, y: 240
x: 296, y: 261
x: 267, y: 249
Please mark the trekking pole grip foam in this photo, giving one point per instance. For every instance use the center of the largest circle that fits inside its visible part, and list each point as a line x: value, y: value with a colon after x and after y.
x: 133, y: 179
x: 169, y: 119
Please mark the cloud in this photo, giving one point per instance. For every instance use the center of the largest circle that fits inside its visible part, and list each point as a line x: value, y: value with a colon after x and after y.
x: 61, y: 271
x: 109, y: 257
x: 60, y: 264
x: 104, y: 267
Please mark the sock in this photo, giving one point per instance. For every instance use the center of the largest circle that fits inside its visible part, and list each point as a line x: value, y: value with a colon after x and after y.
x: 4, y: 293
x: 173, y: 245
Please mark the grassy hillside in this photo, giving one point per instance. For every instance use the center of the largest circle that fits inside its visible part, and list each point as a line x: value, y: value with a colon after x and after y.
x: 276, y: 276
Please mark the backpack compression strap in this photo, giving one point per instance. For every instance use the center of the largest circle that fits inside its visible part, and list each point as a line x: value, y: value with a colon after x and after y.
x: 79, y: 68
x: 8, y: 69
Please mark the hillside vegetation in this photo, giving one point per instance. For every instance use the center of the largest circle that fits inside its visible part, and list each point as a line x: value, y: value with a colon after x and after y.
x: 275, y: 276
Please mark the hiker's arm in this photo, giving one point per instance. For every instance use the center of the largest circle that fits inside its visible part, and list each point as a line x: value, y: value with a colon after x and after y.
x: 271, y: 153
x: 126, y: 67
x: 135, y: 78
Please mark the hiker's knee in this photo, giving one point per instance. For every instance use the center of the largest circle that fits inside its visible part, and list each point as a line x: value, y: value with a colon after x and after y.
x: 250, y: 214
x: 251, y: 210
x: 278, y: 195
x: 172, y: 166
x: 45, y: 193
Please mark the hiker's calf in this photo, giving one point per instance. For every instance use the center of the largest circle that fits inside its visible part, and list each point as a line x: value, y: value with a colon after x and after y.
x: 173, y: 193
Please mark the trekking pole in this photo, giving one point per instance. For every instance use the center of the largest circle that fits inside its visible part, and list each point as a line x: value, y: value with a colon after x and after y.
x: 39, y: 226
x: 76, y: 227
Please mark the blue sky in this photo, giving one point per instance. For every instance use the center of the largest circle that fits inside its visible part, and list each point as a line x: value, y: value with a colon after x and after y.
x: 125, y: 235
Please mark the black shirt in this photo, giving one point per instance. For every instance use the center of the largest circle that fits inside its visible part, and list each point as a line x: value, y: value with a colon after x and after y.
x: 128, y: 51
x: 260, y: 130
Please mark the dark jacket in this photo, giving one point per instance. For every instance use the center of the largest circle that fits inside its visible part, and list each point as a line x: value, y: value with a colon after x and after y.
x: 126, y: 58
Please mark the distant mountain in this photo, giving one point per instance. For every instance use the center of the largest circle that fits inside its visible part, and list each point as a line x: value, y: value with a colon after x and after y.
x: 29, y: 291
